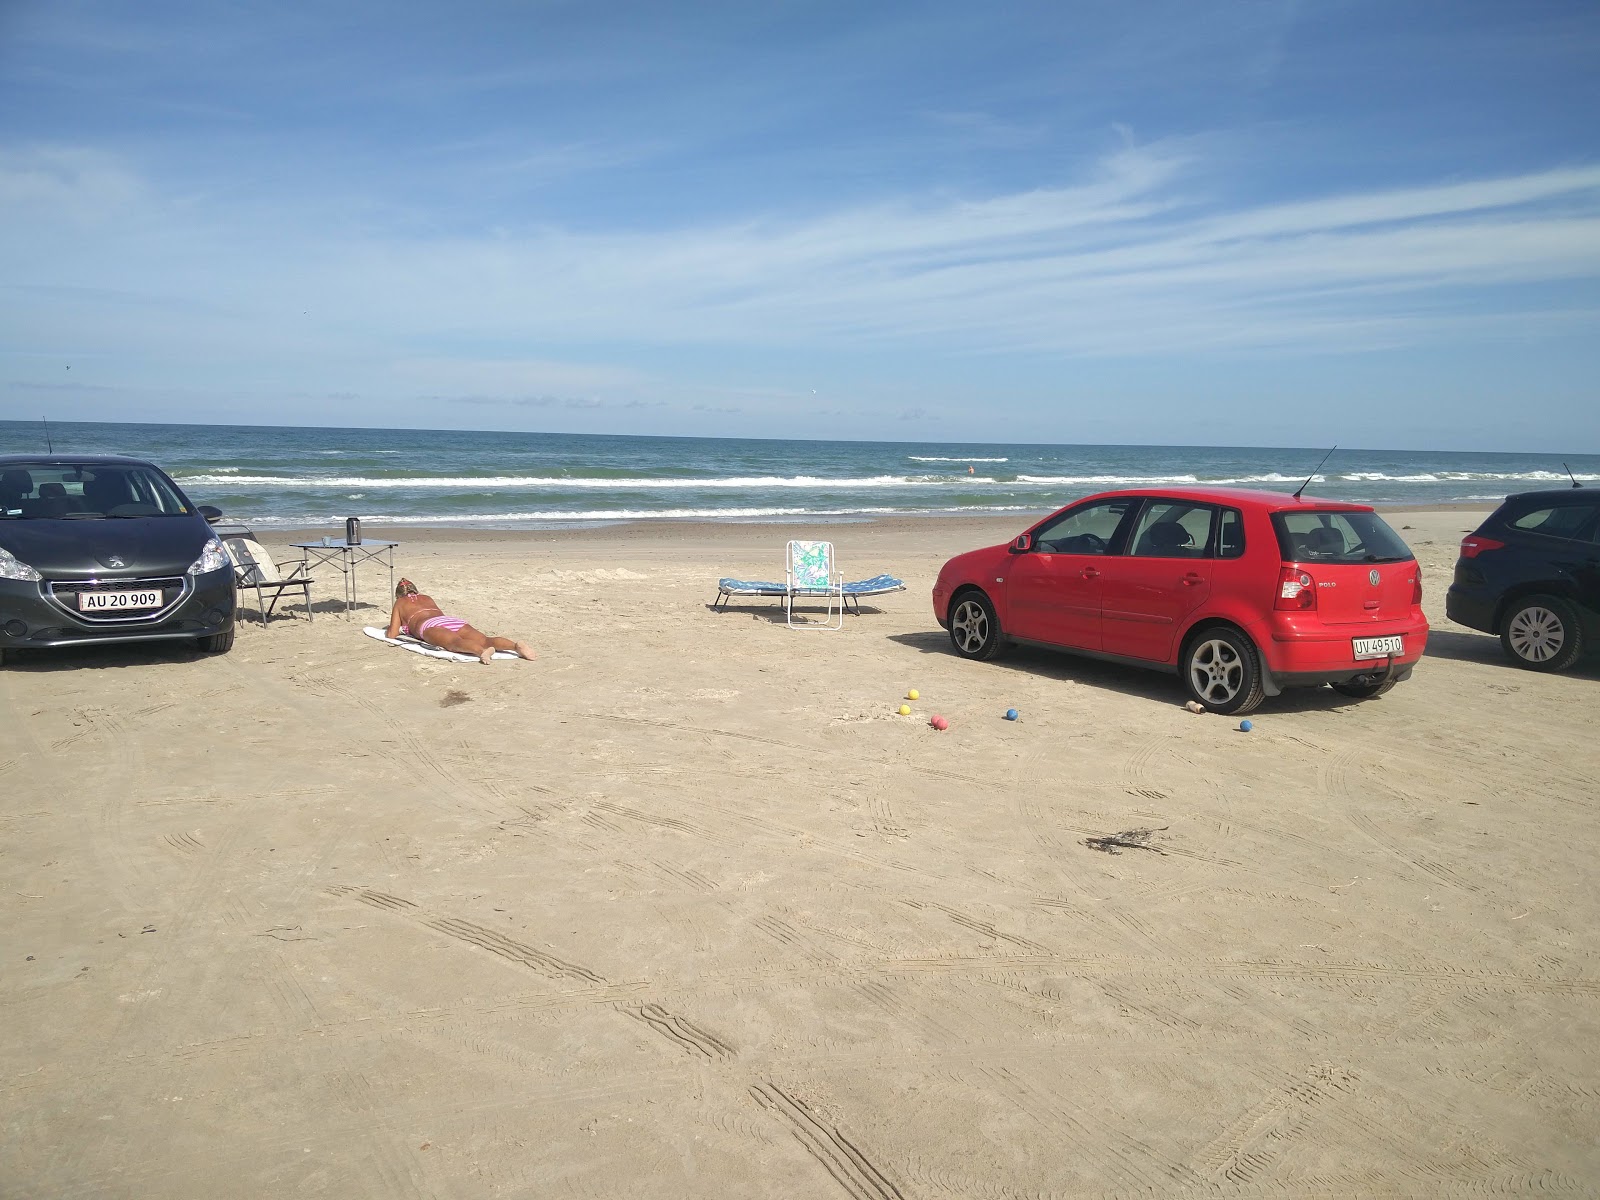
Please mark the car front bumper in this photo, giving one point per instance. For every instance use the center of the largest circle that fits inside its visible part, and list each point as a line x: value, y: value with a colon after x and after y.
x: 38, y: 614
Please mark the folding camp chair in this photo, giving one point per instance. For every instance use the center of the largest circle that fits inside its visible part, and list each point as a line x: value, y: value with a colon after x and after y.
x: 809, y: 571
x: 253, y: 568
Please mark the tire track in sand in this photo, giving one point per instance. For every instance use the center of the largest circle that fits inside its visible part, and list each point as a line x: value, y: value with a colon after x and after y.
x: 851, y: 1169
x: 1333, y: 778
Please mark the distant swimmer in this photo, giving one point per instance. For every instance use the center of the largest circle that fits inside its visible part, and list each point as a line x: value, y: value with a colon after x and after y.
x: 969, y: 470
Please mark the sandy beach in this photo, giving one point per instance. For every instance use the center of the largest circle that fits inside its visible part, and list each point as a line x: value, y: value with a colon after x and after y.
x: 684, y: 909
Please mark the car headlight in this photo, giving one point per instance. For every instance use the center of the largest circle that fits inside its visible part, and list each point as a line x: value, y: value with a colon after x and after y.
x: 10, y: 568
x: 212, y: 558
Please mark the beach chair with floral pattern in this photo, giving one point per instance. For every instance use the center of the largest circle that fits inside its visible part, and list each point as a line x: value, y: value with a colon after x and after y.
x: 824, y: 573
x: 810, y: 573
x: 850, y: 593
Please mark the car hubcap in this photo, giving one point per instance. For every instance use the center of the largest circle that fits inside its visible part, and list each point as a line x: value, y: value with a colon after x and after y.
x: 1216, y: 672
x: 971, y: 626
x: 1536, y: 634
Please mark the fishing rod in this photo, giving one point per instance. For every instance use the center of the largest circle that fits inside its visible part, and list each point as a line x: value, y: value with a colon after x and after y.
x: 49, y: 445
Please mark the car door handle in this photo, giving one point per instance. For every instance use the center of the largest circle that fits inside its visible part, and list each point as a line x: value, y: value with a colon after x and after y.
x: 1192, y: 578
x: 1091, y: 573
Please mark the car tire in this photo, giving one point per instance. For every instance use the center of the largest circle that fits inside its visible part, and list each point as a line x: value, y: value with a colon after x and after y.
x: 1542, y: 633
x: 974, y: 627
x: 218, y: 643
x: 1364, y: 691
x: 7, y: 657
x: 1221, y: 669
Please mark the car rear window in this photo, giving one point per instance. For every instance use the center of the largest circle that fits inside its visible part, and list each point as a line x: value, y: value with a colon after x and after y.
x: 90, y: 491
x: 1333, y: 536
x: 1558, y: 520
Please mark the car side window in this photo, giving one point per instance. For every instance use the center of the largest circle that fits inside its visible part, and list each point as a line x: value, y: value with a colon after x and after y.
x: 1173, y: 529
x: 1561, y: 520
x: 1091, y: 529
x: 1230, y: 534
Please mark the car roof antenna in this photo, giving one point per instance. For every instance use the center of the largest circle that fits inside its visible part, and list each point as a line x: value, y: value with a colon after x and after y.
x: 1571, y: 476
x: 1313, y: 474
x: 51, y: 446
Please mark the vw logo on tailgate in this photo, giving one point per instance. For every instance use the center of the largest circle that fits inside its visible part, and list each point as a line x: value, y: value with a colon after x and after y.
x: 1372, y: 577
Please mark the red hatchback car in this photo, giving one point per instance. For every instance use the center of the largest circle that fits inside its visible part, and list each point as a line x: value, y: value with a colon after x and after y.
x: 1243, y: 593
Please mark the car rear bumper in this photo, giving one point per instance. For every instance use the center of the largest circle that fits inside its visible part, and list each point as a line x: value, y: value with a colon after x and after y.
x: 31, y: 619
x: 1298, y: 654
x: 1475, y: 610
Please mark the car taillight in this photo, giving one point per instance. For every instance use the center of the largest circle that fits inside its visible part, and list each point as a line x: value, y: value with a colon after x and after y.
x: 1416, y: 588
x: 1475, y: 544
x: 1296, y: 590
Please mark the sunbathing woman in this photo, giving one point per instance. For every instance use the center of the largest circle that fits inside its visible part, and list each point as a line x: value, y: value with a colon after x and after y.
x: 418, y: 616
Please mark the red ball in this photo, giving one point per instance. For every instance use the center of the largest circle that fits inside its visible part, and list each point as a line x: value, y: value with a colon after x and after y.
x: 939, y: 722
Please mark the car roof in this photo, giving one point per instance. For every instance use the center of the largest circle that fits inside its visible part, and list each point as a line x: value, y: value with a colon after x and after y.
x: 71, y: 460
x: 1240, y: 497
x: 1565, y: 495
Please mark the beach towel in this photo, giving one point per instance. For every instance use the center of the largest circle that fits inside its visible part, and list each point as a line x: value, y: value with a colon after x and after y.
x: 406, y: 642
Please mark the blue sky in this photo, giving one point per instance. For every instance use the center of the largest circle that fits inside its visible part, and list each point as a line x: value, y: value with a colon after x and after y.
x: 1230, y: 223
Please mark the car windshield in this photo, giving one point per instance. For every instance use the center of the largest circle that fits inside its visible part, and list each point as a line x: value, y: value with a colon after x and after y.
x: 85, y: 492
x: 1311, y: 536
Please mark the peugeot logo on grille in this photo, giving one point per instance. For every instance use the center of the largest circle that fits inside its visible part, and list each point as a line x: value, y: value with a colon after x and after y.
x: 1372, y: 577
x: 115, y: 561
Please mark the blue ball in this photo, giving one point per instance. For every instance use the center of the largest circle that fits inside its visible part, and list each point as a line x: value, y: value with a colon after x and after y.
x: 1011, y: 714
x: 1245, y: 726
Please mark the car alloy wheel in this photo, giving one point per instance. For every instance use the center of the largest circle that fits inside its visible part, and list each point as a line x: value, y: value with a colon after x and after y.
x: 974, y: 627
x: 1216, y: 671
x: 1221, y: 670
x: 971, y: 626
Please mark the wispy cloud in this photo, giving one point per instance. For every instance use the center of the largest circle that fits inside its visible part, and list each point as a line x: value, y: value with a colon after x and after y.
x: 1141, y: 256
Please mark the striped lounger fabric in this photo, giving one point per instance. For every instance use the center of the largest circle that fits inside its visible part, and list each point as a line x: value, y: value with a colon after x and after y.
x: 878, y: 585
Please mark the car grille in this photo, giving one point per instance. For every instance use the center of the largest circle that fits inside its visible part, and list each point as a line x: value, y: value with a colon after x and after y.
x: 65, y: 594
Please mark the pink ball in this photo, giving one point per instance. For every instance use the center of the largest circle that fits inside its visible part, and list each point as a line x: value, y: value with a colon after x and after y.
x: 939, y: 722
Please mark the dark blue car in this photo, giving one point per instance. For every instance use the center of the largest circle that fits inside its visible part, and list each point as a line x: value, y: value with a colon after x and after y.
x: 99, y: 549
x: 1531, y: 573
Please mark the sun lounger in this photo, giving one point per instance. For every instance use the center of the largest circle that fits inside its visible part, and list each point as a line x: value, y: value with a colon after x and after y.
x: 878, y: 585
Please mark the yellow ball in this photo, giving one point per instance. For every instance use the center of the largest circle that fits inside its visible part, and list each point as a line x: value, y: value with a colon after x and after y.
x: 905, y: 710
x: 912, y: 694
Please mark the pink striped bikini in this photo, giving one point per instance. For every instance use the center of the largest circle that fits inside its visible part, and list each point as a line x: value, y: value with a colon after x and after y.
x: 440, y: 622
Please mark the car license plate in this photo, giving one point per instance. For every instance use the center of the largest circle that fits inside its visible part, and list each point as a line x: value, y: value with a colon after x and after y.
x: 1380, y: 647
x: 120, y: 600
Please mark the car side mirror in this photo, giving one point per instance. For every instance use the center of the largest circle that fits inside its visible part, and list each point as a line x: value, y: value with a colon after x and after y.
x: 1023, y: 544
x: 211, y: 513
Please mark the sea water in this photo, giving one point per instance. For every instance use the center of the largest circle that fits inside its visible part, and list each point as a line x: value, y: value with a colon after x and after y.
x: 305, y: 477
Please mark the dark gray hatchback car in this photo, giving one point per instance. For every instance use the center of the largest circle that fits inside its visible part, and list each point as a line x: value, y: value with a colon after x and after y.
x: 1531, y: 573
x: 97, y: 549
